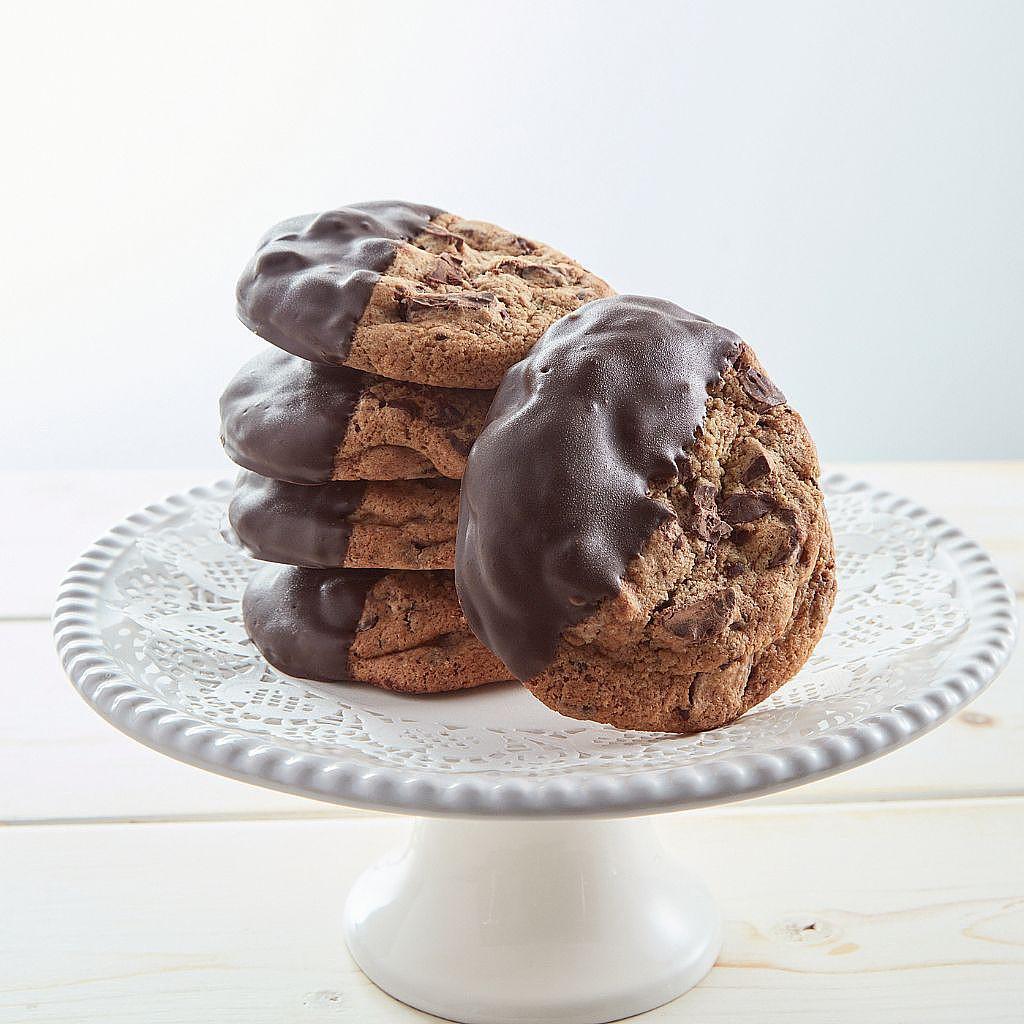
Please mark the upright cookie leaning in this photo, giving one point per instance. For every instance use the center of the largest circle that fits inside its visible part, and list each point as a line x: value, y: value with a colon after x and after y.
x: 408, y: 292
x: 642, y: 539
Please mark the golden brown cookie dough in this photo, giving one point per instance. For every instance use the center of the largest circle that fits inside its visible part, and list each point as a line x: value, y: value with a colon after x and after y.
x: 401, y: 631
x: 397, y: 524
x: 288, y: 419
x: 408, y: 292
x: 679, y: 566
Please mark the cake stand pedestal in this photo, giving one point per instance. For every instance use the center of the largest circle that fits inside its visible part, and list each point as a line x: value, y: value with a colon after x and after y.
x: 534, y: 887
x: 499, y: 922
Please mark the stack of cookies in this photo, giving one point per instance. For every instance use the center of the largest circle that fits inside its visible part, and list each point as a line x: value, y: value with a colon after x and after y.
x: 465, y: 459
x: 642, y: 538
x: 392, y: 324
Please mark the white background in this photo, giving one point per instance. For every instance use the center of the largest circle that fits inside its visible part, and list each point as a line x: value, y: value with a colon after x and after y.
x: 841, y: 183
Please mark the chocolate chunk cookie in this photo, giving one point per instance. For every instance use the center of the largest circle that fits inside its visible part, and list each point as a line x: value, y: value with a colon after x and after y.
x: 642, y: 537
x: 401, y: 631
x: 306, y: 423
x: 401, y: 524
x: 408, y: 292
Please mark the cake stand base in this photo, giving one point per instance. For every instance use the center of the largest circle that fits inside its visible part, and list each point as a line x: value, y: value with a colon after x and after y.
x: 507, y: 922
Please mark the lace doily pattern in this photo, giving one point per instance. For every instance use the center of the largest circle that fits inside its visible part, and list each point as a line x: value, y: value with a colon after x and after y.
x: 150, y: 630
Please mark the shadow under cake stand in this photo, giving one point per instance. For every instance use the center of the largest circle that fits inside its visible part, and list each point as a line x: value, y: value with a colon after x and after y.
x: 534, y: 886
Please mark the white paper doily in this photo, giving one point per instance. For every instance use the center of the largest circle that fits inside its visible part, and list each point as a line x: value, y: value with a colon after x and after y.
x: 148, y: 626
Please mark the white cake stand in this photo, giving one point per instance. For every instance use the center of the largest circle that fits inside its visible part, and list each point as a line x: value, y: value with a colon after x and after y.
x: 534, y: 886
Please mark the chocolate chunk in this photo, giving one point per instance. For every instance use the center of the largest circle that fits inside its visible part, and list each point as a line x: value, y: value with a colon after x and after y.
x: 446, y: 415
x: 785, y: 552
x: 760, y: 388
x: 406, y: 405
x: 462, y: 447
x: 708, y: 527
x: 703, y: 619
x: 790, y: 546
x: 745, y: 507
x: 733, y: 569
x: 704, y: 520
x: 704, y: 494
x: 712, y: 545
x: 447, y: 270
x: 413, y: 308
x: 543, y: 277
x: 524, y: 244
x: 758, y: 467
x: 450, y: 239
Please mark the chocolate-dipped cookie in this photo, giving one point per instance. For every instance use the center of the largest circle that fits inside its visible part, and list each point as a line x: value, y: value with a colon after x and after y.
x: 356, y: 524
x: 400, y: 631
x: 306, y: 423
x: 408, y: 292
x: 642, y: 539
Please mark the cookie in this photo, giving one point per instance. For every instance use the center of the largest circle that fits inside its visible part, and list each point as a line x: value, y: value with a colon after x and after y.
x: 401, y: 524
x: 408, y: 292
x: 305, y: 423
x: 400, y: 631
x: 642, y: 539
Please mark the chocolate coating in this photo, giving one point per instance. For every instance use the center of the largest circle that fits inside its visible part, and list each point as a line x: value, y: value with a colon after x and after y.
x: 294, y: 523
x: 555, y: 499
x: 284, y: 417
x: 304, y: 620
x: 310, y: 279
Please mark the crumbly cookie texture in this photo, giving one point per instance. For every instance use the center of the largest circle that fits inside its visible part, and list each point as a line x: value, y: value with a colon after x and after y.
x: 405, y: 525
x: 731, y: 593
x: 402, y: 431
x: 289, y: 419
x: 412, y: 638
x: 400, y: 524
x: 463, y: 301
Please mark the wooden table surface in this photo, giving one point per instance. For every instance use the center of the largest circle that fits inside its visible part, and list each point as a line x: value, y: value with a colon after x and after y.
x: 137, y: 889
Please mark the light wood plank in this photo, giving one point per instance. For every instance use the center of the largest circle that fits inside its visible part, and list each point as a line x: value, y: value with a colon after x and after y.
x: 48, y: 735
x: 905, y: 913
x: 48, y: 519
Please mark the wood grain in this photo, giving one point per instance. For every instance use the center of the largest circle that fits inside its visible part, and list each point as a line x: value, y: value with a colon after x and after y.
x: 903, y: 913
x: 48, y: 519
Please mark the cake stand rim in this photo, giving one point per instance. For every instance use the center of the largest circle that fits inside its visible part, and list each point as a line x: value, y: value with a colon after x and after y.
x: 329, y: 778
